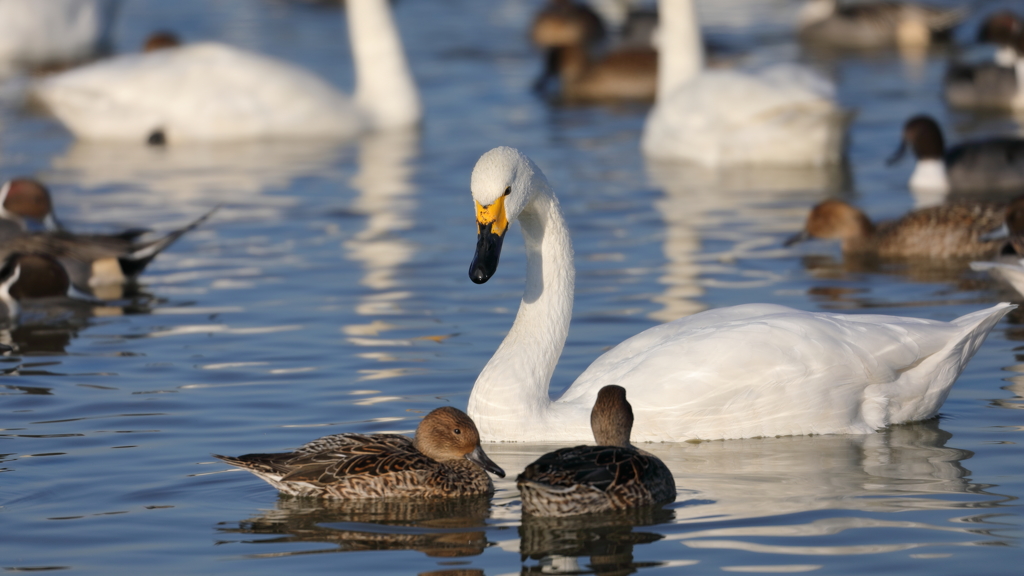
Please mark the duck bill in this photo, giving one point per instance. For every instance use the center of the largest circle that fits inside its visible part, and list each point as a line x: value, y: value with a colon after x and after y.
x: 478, y: 457
x: 798, y: 237
x: 897, y: 155
x: 491, y: 227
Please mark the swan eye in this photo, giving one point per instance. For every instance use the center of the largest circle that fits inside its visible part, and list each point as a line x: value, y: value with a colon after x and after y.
x: 508, y: 190
x: 457, y: 431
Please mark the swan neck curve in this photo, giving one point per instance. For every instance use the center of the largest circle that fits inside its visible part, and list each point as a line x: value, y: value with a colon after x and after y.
x: 512, y: 390
x: 680, y: 48
x: 385, y: 89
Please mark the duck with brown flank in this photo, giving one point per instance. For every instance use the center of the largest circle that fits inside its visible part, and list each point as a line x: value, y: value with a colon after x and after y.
x: 569, y: 31
x: 613, y: 475
x: 444, y: 460
x: 1009, y: 268
x: 865, y: 25
x: 949, y: 231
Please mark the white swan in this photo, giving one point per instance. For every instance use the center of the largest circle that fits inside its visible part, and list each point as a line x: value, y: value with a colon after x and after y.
x: 784, y: 114
x: 36, y: 33
x: 743, y: 371
x: 210, y: 91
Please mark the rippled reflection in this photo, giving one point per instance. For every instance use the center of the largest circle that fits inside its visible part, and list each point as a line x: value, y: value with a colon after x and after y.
x: 190, y: 178
x: 386, y: 197
x: 740, y: 207
x: 437, y: 527
x: 765, y: 480
x: 48, y: 326
x: 606, y: 540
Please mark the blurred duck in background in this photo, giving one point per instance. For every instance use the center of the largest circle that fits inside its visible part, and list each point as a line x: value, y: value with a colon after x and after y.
x: 210, y: 91
x: 1009, y: 267
x: 990, y: 165
x: 958, y: 230
x: 32, y: 276
x: 998, y: 84
x: 570, y: 32
x: 98, y: 264
x: 40, y: 34
x: 866, y: 25
x: 784, y: 114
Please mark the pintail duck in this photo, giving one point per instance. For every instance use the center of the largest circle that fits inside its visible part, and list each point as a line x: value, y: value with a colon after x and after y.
x: 210, y: 91
x: 992, y: 165
x: 444, y: 460
x: 25, y: 205
x: 613, y: 475
x: 864, y: 25
x: 992, y: 85
x: 733, y: 372
x: 32, y: 276
x: 955, y: 230
x: 1010, y: 267
x: 97, y: 263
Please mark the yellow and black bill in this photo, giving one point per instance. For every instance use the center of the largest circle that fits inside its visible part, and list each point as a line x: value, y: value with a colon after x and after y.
x: 491, y: 225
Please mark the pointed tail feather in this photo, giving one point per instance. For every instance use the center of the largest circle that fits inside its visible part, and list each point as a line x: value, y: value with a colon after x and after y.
x: 135, y: 262
x: 922, y: 390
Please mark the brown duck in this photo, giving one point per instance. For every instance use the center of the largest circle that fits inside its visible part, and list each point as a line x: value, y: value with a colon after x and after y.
x: 444, y: 460
x: 956, y: 230
x: 613, y: 475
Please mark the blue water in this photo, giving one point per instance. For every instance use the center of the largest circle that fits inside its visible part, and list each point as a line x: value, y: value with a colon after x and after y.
x: 330, y: 294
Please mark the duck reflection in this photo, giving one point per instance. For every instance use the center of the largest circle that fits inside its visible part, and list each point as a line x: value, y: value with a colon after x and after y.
x: 737, y: 202
x: 48, y: 326
x: 441, y: 527
x: 607, y: 539
x: 923, y: 270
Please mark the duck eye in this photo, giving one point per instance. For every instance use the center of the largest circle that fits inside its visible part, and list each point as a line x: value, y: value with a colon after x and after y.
x: 457, y: 431
x: 508, y: 190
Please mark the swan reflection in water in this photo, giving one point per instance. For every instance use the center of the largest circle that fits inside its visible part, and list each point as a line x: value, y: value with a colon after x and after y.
x: 445, y: 527
x: 136, y: 184
x: 746, y: 206
x: 735, y: 493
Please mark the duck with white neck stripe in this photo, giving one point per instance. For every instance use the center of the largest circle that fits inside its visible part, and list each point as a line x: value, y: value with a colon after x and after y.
x: 992, y: 165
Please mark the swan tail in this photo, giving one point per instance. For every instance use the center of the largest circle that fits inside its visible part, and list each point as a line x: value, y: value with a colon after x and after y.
x: 921, y: 389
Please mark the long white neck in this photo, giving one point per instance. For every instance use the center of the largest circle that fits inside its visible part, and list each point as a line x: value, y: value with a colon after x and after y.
x: 385, y: 89
x: 512, y: 390
x: 680, y: 48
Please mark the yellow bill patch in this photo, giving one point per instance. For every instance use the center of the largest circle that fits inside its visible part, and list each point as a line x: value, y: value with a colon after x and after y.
x: 494, y: 215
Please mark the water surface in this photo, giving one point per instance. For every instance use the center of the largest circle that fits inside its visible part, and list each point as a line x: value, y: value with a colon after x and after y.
x: 330, y: 294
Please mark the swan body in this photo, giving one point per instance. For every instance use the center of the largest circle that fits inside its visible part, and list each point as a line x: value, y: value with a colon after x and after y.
x: 782, y: 115
x: 736, y: 372
x: 211, y: 91
x: 52, y: 32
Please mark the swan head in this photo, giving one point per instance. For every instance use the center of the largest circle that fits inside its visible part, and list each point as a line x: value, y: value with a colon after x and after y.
x: 504, y: 183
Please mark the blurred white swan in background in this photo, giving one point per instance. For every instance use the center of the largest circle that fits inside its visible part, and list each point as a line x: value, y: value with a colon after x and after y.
x: 735, y: 372
x: 40, y: 33
x: 783, y: 114
x: 211, y: 91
